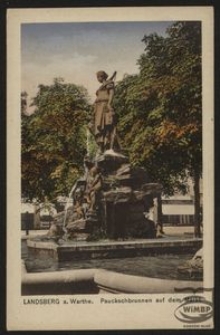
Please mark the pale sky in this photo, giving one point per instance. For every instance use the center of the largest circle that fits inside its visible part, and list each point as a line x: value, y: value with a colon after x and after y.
x: 76, y: 51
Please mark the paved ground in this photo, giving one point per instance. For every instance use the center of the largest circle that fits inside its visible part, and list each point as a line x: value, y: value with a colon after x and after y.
x: 177, y: 231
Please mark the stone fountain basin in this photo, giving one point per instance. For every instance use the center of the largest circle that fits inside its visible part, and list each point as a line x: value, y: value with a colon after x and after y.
x: 81, y: 250
x: 96, y: 281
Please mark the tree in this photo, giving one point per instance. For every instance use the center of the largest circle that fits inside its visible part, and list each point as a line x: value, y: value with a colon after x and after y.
x: 54, y: 140
x: 24, y: 96
x: 163, y: 109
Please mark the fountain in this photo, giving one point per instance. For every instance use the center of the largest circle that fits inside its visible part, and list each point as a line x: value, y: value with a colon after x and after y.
x: 111, y: 203
x: 112, y: 200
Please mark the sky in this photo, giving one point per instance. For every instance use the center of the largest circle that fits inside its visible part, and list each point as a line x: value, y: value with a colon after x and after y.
x: 76, y: 51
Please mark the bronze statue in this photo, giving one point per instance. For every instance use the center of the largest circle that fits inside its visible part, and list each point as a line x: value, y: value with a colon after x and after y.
x: 103, y: 125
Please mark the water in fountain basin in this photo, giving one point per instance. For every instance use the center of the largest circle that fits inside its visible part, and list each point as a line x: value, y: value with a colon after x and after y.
x: 158, y: 266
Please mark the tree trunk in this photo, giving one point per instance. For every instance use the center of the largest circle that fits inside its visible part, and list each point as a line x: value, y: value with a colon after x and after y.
x: 197, y: 218
x: 160, y: 213
x: 159, y: 216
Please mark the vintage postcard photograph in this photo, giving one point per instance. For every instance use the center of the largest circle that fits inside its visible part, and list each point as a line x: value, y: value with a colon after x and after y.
x: 110, y: 168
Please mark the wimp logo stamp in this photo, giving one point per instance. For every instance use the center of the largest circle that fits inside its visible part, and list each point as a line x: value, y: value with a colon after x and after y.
x: 194, y: 309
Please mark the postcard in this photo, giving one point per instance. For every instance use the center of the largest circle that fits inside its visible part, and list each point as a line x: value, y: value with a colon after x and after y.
x: 110, y: 168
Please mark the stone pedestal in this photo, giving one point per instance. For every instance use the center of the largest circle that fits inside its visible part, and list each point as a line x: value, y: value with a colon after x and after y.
x: 124, y: 198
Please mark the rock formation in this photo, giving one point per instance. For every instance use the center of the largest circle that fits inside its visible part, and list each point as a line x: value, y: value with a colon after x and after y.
x: 111, y: 201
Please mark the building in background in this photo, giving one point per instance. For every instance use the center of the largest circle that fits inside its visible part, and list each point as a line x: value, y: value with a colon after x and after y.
x: 35, y: 215
x: 179, y: 209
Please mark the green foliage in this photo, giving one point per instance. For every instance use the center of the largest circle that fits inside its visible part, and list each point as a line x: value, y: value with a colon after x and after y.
x: 54, y: 140
x: 24, y: 96
x: 160, y: 109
